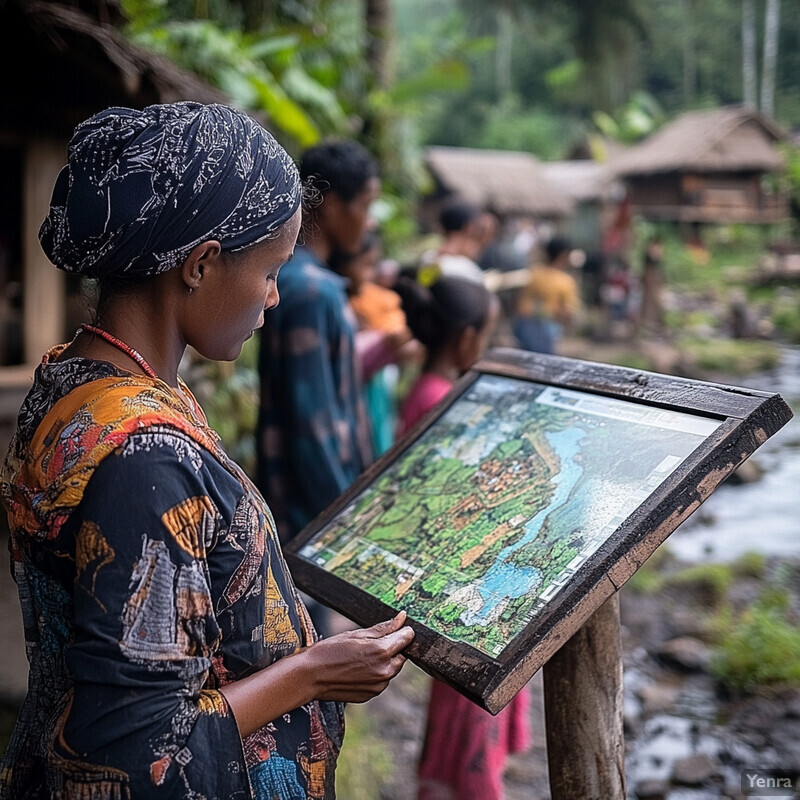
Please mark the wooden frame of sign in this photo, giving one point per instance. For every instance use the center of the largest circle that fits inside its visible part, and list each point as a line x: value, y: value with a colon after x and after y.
x: 520, y: 504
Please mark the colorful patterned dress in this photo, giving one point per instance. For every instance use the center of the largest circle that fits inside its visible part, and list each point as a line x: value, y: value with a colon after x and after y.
x: 149, y: 574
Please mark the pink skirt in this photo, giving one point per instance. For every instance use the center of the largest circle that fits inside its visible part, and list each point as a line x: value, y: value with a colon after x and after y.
x: 465, y: 747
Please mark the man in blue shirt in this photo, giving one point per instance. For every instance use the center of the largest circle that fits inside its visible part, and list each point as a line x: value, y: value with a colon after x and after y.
x: 313, y: 430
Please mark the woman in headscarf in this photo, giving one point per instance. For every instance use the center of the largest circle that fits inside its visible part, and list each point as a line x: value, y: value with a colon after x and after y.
x: 170, y: 654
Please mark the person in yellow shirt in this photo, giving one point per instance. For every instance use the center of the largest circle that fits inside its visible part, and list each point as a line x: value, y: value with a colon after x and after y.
x: 549, y: 302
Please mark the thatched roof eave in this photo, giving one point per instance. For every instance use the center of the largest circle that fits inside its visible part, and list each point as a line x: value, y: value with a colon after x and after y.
x: 725, y: 140
x: 135, y: 64
x: 505, y: 182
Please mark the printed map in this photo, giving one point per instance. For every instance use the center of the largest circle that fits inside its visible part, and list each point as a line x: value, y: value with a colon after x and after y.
x: 480, y: 522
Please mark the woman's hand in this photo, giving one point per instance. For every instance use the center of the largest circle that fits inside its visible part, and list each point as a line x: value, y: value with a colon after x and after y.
x: 357, y: 665
x: 350, y: 667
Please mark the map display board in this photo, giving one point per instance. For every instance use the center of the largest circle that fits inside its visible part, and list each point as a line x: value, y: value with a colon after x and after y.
x: 482, y: 520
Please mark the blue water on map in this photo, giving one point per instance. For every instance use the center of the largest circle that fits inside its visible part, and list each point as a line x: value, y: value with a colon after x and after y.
x: 507, y: 580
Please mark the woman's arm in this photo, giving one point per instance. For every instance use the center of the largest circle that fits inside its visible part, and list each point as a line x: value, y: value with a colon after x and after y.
x: 351, y: 667
x: 146, y: 625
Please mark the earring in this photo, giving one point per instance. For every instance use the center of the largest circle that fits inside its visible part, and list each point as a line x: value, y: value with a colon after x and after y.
x: 191, y: 289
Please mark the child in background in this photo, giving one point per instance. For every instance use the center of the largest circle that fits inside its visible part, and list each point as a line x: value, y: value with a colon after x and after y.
x: 382, y: 337
x: 465, y: 747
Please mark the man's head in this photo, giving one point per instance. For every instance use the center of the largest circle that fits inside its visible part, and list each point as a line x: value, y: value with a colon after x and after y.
x: 347, y: 177
x: 462, y: 225
x: 457, y: 215
x: 558, y: 250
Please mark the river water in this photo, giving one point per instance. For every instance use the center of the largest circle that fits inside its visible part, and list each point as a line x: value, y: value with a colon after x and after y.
x: 763, y: 516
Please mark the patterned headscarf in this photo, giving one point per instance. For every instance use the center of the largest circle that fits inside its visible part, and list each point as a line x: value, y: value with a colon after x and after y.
x: 141, y: 189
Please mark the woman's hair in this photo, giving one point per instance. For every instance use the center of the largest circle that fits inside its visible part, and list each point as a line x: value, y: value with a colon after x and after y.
x: 437, y: 314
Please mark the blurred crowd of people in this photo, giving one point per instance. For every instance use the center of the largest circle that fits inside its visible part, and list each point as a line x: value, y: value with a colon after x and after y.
x: 361, y: 348
x: 355, y: 353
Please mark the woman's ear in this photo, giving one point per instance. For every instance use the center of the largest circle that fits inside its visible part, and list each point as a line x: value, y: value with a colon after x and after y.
x: 194, y: 266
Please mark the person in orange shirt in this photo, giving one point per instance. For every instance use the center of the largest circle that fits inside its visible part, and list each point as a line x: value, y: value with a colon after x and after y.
x: 383, y: 340
x: 549, y: 303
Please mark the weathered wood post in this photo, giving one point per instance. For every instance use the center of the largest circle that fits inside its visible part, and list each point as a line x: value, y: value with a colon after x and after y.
x: 583, y: 711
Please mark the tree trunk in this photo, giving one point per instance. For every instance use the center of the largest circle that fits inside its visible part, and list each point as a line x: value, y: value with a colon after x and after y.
x: 771, y: 31
x: 379, y: 125
x: 689, y: 54
x: 749, y: 77
x: 378, y: 18
x: 505, y: 31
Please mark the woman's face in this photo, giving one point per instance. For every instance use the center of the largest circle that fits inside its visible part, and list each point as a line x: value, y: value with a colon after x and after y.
x: 237, y: 290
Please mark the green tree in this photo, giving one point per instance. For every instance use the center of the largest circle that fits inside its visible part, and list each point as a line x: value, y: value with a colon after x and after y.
x: 274, y: 69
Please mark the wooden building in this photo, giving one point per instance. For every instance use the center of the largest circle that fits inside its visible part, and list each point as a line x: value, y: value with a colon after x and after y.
x: 512, y: 185
x: 595, y: 192
x: 707, y: 167
x: 62, y: 65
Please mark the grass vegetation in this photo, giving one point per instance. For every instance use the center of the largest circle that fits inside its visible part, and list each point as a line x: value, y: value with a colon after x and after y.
x: 727, y: 270
x: 365, y: 763
x: 759, y: 647
x: 736, y: 357
x: 756, y: 647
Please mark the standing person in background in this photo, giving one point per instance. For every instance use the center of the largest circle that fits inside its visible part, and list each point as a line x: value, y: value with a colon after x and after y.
x: 313, y: 431
x: 464, y: 233
x: 592, y: 276
x: 549, y: 302
x: 465, y: 748
x: 313, y: 436
x: 651, y: 312
x: 170, y: 655
x: 382, y: 339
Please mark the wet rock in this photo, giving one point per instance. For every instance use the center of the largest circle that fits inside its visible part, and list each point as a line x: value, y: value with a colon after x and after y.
x: 645, y: 618
x: 792, y: 708
x: 771, y: 723
x: 694, y: 770
x: 651, y: 790
x: 744, y: 592
x: 630, y: 725
x: 657, y: 698
x: 687, y: 622
x: 747, y: 472
x: 685, y: 653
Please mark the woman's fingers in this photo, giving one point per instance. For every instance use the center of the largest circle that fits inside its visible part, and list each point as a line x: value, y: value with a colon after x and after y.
x: 356, y: 665
x: 387, y: 626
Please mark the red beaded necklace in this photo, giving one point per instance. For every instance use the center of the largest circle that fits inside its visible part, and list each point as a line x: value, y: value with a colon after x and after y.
x: 120, y: 345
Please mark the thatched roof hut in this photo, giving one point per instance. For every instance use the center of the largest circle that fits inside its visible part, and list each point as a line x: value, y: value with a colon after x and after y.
x: 67, y: 64
x: 61, y: 65
x: 729, y: 139
x: 595, y: 190
x: 506, y: 183
x: 707, y: 166
x: 583, y: 180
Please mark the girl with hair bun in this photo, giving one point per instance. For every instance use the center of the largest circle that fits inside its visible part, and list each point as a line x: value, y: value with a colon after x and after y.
x: 453, y: 320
